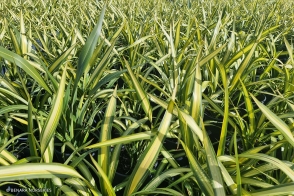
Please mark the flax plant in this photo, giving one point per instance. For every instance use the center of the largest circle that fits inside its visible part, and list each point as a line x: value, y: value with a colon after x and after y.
x: 95, y: 86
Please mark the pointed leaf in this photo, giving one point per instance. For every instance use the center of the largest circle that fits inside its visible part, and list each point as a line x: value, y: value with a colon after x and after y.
x: 53, y: 117
x: 25, y: 65
x: 149, y: 156
x: 88, y: 48
x: 105, y: 134
x: 276, y: 121
x: 36, y: 171
x: 142, y: 96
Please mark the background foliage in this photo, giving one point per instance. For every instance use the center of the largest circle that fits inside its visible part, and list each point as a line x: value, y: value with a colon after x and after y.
x: 147, y: 97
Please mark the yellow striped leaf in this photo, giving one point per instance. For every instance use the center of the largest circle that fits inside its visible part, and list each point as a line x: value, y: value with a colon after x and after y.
x: 52, y: 120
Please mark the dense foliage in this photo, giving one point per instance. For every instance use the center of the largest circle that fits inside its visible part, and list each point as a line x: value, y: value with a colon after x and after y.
x: 183, y: 97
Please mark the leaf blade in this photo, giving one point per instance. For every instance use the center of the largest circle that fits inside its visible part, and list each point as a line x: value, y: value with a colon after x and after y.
x: 25, y: 65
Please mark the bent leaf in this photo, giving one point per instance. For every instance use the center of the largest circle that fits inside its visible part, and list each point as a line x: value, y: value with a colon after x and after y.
x: 36, y: 171
x: 276, y: 121
x: 25, y: 65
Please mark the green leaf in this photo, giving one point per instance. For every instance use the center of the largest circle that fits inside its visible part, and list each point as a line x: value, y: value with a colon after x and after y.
x: 214, y: 170
x: 79, y: 185
x: 238, y: 178
x: 11, y: 108
x: 105, y: 134
x: 116, y: 152
x: 159, y: 191
x: 124, y: 139
x: 52, y: 120
x: 36, y: 171
x: 106, y: 79
x: 68, y: 191
x: 142, y: 96
x: 98, y: 72
x: 31, y: 137
x: 106, y: 183
x: 61, y: 59
x: 276, y: 121
x: 227, y: 177
x: 2, y: 148
x: 14, y: 41
x: 25, y: 65
x: 211, y: 55
x: 221, y: 146
x: 278, y: 163
x: 88, y: 48
x: 250, y: 110
x: 253, y: 182
x: 200, y: 175
x: 282, y: 189
x: 167, y: 174
x: 242, y: 68
x: 24, y: 42
x: 149, y: 156
x: 188, y: 119
x: 139, y: 41
x: 196, y: 105
x: 290, y: 50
